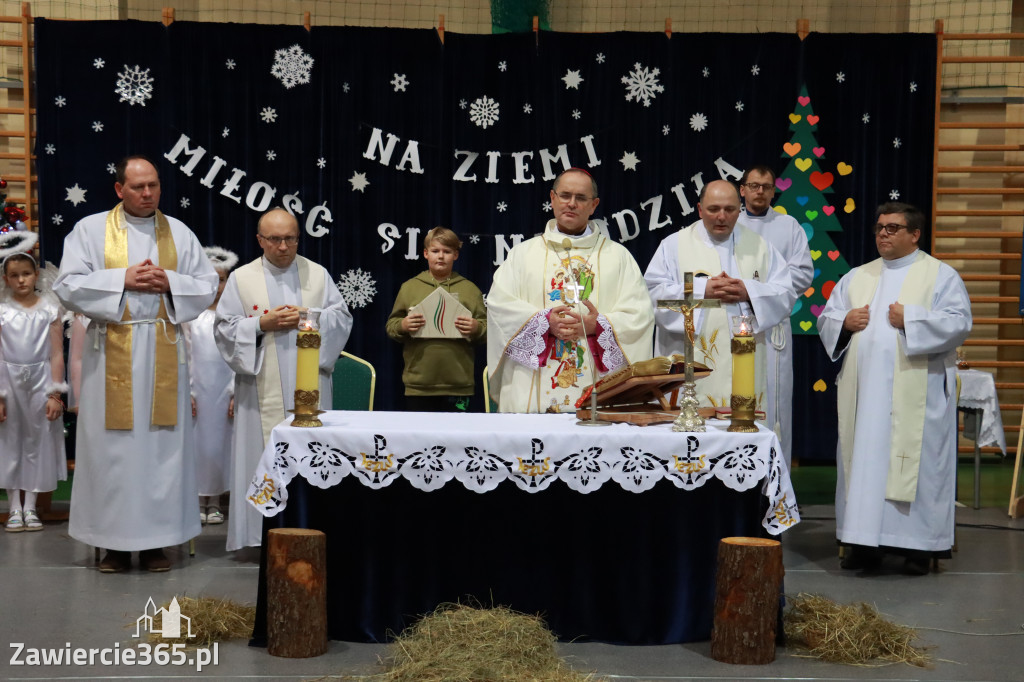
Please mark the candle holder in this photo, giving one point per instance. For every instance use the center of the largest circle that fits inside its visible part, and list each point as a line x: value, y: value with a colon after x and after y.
x: 743, y: 399
x: 307, y: 371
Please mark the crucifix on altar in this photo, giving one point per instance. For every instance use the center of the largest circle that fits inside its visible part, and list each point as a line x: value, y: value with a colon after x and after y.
x: 689, y: 419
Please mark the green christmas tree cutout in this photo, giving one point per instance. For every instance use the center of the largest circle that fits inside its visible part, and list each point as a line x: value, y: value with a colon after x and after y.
x: 803, y: 187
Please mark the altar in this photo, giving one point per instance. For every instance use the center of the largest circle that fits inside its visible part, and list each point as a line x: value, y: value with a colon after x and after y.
x: 609, y: 533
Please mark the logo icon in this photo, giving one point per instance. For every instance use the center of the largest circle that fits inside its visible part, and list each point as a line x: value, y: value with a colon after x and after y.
x: 170, y: 621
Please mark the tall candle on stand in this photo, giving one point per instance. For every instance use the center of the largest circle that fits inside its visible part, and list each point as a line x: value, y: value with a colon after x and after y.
x: 743, y: 390
x: 307, y: 370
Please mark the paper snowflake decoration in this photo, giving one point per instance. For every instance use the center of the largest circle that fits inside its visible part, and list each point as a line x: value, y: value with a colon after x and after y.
x: 134, y: 85
x: 897, y: 143
x: 629, y: 161
x: 755, y: 70
x: 345, y: 87
x: 57, y: 219
x: 400, y: 82
x: 502, y: 66
x: 111, y: 168
x: 840, y: 77
x: 75, y: 194
x: 739, y: 106
x: 97, y: 126
x: 576, y: 114
x: 642, y: 84
x: 230, y: 64
x: 185, y: 202
x: 572, y: 79
x: 546, y: 207
x: 665, y: 130
x: 358, y: 182
x: 50, y: 149
x: 60, y: 101
x: 698, y: 122
x: 913, y: 86
x: 705, y: 72
x: 894, y: 195
x: 292, y: 66
x: 98, y: 63
x: 463, y: 104
x: 527, y: 109
x: 269, y: 114
x: 474, y: 239
x: 271, y: 155
x: 502, y: 207
x: 484, y: 111
x: 357, y: 287
x: 321, y: 163
x: 225, y: 132
x: 866, y: 117
x: 599, y: 58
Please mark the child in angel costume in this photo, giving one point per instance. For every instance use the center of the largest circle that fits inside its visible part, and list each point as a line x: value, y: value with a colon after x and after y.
x: 213, y: 399
x: 32, y: 456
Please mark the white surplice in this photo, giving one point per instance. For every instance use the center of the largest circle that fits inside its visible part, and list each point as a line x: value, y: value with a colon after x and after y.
x: 517, y: 327
x: 241, y: 344
x: 771, y: 299
x: 213, y: 385
x: 789, y: 239
x: 863, y: 515
x: 133, y: 489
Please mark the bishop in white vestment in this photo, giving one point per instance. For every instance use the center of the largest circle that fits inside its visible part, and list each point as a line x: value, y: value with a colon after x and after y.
x: 136, y: 275
x: 564, y: 308
x: 757, y: 187
x: 255, y: 331
x: 732, y: 264
x: 896, y: 323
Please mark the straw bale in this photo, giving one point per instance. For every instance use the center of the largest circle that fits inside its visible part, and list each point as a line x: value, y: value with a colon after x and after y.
x: 212, y: 620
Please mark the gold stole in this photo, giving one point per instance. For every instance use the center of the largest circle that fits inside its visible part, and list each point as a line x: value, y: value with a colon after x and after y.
x: 252, y: 290
x: 910, y: 380
x: 696, y: 256
x: 118, y: 347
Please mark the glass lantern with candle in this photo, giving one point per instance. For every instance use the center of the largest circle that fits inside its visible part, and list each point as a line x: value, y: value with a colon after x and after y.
x: 743, y: 391
x: 307, y: 370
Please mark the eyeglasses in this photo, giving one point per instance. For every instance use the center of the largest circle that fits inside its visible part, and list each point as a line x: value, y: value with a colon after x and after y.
x: 567, y: 197
x: 890, y: 229
x: 277, y: 241
x: 754, y: 186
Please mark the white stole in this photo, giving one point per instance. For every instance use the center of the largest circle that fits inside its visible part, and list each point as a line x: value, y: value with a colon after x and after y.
x: 910, y: 380
x: 252, y: 289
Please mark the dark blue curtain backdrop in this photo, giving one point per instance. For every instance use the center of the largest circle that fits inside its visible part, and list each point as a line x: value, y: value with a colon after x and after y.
x: 373, y: 136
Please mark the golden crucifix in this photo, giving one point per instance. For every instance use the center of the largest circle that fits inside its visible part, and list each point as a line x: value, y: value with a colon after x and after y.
x: 688, y: 419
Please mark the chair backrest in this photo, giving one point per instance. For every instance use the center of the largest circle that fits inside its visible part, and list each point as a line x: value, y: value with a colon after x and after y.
x: 354, y: 383
x: 489, y: 405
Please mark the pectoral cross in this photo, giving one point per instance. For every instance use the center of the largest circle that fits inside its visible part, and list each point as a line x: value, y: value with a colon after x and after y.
x: 689, y: 419
x: 575, y: 288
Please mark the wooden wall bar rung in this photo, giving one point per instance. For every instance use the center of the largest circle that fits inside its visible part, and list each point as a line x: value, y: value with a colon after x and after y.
x: 994, y: 299
x: 1016, y: 321
x: 15, y: 43
x: 967, y: 234
x: 983, y: 36
x: 980, y: 169
x: 979, y: 59
x: 994, y: 342
x: 980, y: 190
x: 987, y: 450
x: 989, y: 278
x: 977, y: 256
x: 981, y: 147
x: 1009, y: 385
x: 980, y: 212
x: 979, y: 125
x: 16, y: 112
x: 997, y: 363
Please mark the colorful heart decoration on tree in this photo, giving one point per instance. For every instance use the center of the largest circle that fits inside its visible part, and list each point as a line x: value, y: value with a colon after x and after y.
x: 803, y: 164
x: 820, y: 386
x: 812, y: 119
x: 781, y: 210
x: 816, y: 309
x: 815, y: 255
x: 795, y: 118
x: 809, y: 292
x: 802, y: 200
x: 791, y: 148
x: 828, y: 210
x: 811, y: 215
x: 850, y: 206
x: 804, y: 101
x: 844, y: 168
x: 797, y: 306
x: 805, y: 325
x: 818, y: 151
x: 808, y: 230
x: 821, y: 181
x: 833, y: 254
x: 826, y: 289
x: 782, y: 184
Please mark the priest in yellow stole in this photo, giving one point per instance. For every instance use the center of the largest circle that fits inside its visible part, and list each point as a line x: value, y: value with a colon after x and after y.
x: 136, y: 274
x: 564, y: 307
x: 896, y: 323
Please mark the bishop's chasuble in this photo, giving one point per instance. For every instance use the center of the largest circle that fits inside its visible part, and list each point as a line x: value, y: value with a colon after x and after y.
x: 532, y: 371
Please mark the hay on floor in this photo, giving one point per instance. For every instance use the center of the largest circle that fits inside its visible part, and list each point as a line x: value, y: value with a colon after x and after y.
x: 855, y: 634
x: 212, y: 620
x: 459, y: 642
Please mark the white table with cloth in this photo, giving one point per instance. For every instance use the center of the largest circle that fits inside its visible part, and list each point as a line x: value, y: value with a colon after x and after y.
x: 983, y: 422
x: 610, y: 532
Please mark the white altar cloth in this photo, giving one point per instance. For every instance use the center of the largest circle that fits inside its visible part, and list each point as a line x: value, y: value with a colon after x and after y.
x: 978, y: 392
x: 532, y: 450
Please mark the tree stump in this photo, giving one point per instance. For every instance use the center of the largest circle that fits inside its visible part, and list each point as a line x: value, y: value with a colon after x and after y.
x: 296, y: 592
x: 747, y: 586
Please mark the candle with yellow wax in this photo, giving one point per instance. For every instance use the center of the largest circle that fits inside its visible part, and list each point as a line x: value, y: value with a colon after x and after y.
x: 307, y: 371
x: 743, y: 363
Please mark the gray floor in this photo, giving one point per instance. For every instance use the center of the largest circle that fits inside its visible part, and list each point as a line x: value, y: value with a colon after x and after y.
x: 54, y: 598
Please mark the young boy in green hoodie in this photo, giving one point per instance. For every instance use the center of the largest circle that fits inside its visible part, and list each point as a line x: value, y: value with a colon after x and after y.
x: 438, y: 372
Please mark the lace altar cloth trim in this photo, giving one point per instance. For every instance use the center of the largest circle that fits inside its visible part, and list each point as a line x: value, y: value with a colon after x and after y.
x: 526, y: 346
x: 481, y: 451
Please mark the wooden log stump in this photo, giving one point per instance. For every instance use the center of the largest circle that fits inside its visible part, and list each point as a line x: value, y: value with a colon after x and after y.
x: 296, y: 592
x: 748, y: 581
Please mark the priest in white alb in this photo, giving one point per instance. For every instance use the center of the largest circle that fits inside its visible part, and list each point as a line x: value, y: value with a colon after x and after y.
x: 137, y: 275
x: 757, y: 187
x: 896, y: 322
x: 737, y: 267
x: 566, y: 307
x: 255, y: 331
